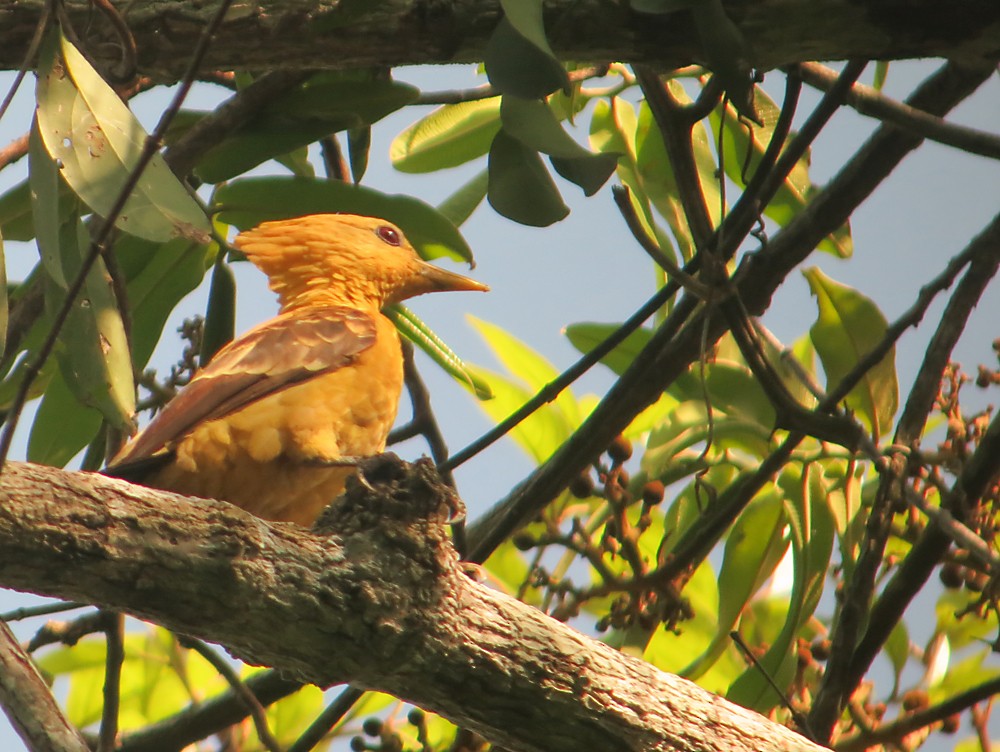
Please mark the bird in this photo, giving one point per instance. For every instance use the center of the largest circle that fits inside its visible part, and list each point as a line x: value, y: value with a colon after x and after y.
x: 274, y: 421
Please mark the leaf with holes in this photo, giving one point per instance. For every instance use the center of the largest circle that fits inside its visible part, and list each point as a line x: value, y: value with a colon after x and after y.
x: 97, y: 142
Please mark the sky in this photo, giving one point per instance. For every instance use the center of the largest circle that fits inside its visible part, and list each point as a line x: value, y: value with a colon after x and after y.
x: 587, y: 268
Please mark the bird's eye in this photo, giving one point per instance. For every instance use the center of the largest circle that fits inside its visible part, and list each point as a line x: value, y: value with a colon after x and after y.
x: 388, y: 234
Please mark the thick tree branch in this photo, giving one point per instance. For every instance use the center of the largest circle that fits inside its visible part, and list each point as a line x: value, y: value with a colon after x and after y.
x: 316, y: 34
x: 374, y: 596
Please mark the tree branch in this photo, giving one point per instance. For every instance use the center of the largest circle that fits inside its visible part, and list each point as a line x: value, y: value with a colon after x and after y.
x: 374, y: 595
x: 303, y: 34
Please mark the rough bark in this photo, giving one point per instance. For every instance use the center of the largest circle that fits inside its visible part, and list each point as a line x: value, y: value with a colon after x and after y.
x: 374, y: 596
x: 290, y: 34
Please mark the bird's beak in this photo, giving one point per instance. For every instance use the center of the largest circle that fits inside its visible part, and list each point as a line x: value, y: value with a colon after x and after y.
x: 435, y: 279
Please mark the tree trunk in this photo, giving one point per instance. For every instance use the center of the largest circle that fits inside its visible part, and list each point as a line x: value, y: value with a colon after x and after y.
x: 323, y: 34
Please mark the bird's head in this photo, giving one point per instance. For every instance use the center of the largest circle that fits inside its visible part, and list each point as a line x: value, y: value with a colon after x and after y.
x: 338, y: 259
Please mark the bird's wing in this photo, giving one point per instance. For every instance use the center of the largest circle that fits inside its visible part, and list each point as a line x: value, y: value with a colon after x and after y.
x: 277, y: 354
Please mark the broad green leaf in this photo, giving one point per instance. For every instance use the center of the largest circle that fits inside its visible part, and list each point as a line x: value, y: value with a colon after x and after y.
x: 220, y: 316
x: 459, y: 206
x: 423, y: 337
x: 97, y: 141
x: 520, y: 188
x: 527, y: 366
x: 359, y: 144
x: 248, y: 202
x: 753, y: 549
x: 16, y: 217
x: 291, y: 716
x: 162, y: 276
x: 304, y: 115
x: 812, y: 530
x: 43, y: 177
x: 541, y: 433
x: 450, y: 136
x: 517, y: 65
x: 532, y: 122
x: 743, y: 147
x: 526, y: 18
x: 586, y: 336
x: 93, y: 350
x: 848, y: 327
x: 62, y: 426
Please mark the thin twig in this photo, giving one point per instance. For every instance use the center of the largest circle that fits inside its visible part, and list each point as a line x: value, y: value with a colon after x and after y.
x: 14, y: 151
x: 478, y: 93
x: 68, y: 632
x: 36, y: 42
x: 46, y: 609
x: 239, y: 687
x: 150, y: 147
x: 873, y: 103
x: 325, y: 721
x: 114, y: 631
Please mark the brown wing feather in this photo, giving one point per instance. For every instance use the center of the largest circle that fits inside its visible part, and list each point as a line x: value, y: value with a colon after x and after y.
x: 276, y: 355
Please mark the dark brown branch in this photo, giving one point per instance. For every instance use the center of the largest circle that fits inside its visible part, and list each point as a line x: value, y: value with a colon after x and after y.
x: 114, y: 631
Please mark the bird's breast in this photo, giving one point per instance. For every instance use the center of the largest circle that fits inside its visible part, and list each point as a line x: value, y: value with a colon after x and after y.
x: 268, y: 456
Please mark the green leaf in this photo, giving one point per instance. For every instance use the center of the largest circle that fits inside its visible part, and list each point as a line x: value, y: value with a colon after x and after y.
x: 424, y: 337
x: 248, y: 202
x: 304, y: 115
x: 450, y: 136
x: 848, y: 327
x: 754, y: 548
x: 743, y: 147
x: 520, y: 188
x: 62, y: 426
x: 93, y: 350
x: 517, y: 58
x: 532, y: 122
x: 220, y: 316
x: 459, y: 206
x: 97, y: 141
x: 159, y: 276
x: 586, y: 336
x: 43, y: 177
x: 812, y: 531
x: 359, y: 143
x: 16, y: 217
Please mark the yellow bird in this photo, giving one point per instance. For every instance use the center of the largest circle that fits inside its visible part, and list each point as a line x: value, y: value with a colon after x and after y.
x: 264, y: 423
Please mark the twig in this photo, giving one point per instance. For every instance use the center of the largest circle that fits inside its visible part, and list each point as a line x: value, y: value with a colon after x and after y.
x: 68, y: 633
x: 114, y: 630
x: 14, y: 151
x: 800, y: 720
x: 873, y: 103
x: 478, y: 93
x: 325, y: 721
x: 36, y: 41
x: 29, y: 704
x: 239, y: 687
x: 46, y: 609
x: 149, y: 148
